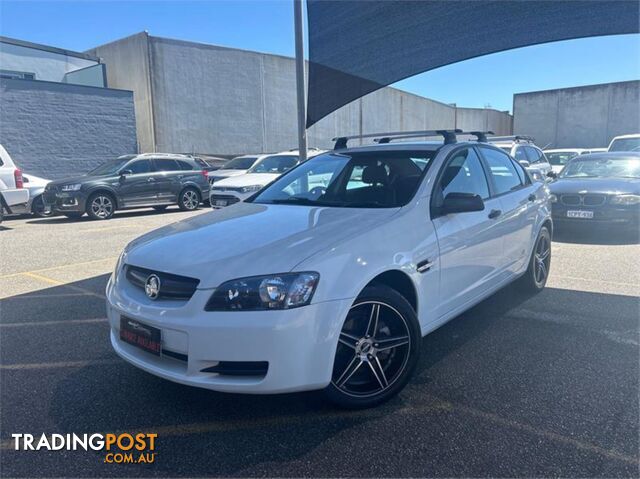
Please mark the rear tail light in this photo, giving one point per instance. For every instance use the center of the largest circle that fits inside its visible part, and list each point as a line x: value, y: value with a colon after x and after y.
x: 17, y: 175
x: 205, y: 173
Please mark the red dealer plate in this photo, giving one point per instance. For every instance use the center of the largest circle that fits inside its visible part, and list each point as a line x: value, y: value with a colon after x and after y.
x: 141, y: 335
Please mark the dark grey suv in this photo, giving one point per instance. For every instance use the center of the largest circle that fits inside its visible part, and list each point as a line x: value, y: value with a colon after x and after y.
x: 131, y: 181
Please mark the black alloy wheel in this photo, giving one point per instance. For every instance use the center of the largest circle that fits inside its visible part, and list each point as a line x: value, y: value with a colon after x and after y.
x: 377, y: 349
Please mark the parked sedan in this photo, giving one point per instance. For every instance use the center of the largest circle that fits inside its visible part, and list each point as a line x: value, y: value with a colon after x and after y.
x: 599, y: 188
x: 558, y: 158
x: 152, y: 180
x: 233, y: 189
x: 329, y: 277
x: 235, y: 167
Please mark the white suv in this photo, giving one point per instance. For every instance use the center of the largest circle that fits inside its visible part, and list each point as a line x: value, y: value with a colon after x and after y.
x: 230, y: 190
x: 523, y: 149
x: 13, y: 195
x: 330, y: 276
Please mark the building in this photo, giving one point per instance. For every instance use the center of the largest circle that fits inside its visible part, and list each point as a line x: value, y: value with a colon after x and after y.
x: 579, y: 117
x: 58, y: 117
x: 206, y: 99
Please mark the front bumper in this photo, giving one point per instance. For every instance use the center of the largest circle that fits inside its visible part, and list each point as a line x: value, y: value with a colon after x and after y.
x: 222, y: 198
x: 607, y: 215
x: 63, y: 202
x: 298, y: 344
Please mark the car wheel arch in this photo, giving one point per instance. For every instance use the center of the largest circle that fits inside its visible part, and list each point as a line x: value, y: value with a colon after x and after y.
x: 399, y: 281
x: 107, y: 191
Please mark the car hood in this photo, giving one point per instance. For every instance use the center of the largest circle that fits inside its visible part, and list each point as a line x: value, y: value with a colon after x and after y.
x: 248, y: 179
x: 226, y: 173
x: 604, y: 186
x: 248, y: 239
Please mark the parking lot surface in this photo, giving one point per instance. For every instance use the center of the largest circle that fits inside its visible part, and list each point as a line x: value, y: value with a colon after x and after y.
x: 517, y: 386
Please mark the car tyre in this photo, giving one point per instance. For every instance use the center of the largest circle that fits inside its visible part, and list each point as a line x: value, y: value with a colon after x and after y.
x: 377, y: 351
x: 535, y: 278
x: 101, y: 206
x: 189, y: 199
x: 37, y: 208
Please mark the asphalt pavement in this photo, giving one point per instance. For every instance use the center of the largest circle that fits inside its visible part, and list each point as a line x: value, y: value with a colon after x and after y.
x: 517, y: 386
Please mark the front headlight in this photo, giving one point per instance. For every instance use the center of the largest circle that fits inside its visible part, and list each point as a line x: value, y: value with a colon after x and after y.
x: 250, y: 189
x: 625, y: 200
x: 553, y: 198
x: 262, y: 293
x: 74, y: 187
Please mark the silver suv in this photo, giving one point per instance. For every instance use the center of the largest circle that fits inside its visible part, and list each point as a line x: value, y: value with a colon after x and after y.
x: 523, y: 149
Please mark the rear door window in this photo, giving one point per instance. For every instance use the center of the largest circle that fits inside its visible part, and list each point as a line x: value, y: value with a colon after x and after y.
x: 502, y: 170
x: 166, y: 165
x: 185, y: 166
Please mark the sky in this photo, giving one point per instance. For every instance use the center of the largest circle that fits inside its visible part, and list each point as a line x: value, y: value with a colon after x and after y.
x: 267, y: 26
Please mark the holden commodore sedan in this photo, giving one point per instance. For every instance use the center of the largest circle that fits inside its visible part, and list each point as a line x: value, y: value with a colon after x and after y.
x: 329, y: 277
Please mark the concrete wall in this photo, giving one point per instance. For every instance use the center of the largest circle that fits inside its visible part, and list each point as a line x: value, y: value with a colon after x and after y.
x: 129, y: 60
x: 470, y: 119
x: 55, y: 130
x: 581, y: 117
x: 46, y: 65
x: 223, y: 101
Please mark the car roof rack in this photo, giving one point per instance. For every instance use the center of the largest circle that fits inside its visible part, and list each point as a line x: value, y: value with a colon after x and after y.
x: 481, y: 136
x: 448, y: 135
x: 513, y: 138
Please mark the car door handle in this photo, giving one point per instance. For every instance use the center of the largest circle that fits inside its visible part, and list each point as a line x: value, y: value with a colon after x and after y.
x: 151, y: 179
x: 494, y: 214
x: 424, y: 266
x: 532, y: 197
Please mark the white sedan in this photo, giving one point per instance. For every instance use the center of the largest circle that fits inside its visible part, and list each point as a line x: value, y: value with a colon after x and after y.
x: 330, y: 276
x: 231, y: 190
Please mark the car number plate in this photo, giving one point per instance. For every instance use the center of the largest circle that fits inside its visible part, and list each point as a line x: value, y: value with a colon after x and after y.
x: 141, y: 335
x: 221, y: 202
x: 580, y: 214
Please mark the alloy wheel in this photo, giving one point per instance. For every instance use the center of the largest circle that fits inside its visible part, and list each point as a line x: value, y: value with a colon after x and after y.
x: 102, y: 206
x: 190, y: 200
x: 542, y: 259
x: 373, y: 350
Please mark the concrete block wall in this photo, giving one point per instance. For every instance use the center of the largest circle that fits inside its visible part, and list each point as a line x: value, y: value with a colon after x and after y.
x: 223, y: 101
x: 55, y: 130
x: 580, y: 117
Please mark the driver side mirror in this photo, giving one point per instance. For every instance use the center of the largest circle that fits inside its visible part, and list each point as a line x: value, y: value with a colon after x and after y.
x: 461, y: 203
x: 524, y: 163
x: 124, y: 173
x: 552, y: 174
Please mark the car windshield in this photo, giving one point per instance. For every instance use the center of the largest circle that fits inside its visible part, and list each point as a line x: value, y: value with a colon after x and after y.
x: 603, y: 167
x: 560, y: 158
x: 110, y: 167
x: 274, y: 164
x: 387, y: 179
x: 625, y: 144
x: 241, y: 163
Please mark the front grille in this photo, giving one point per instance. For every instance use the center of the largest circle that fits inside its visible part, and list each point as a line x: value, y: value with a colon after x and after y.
x: 583, y: 200
x: 571, y: 200
x: 239, y: 368
x: 172, y: 286
x: 593, y: 200
x: 230, y: 199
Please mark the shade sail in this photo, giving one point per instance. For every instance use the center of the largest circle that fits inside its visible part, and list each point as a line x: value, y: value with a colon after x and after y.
x: 356, y: 47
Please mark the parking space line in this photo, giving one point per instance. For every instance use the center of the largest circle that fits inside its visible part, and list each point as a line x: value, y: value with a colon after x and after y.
x: 64, y: 364
x: 108, y: 228
x: 56, y: 282
x: 45, y: 296
x: 52, y: 323
x: 52, y: 268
